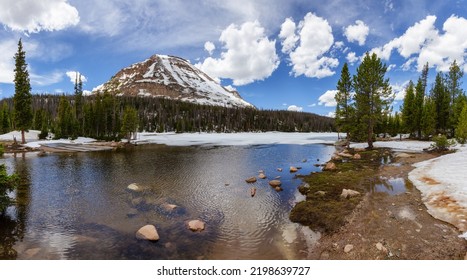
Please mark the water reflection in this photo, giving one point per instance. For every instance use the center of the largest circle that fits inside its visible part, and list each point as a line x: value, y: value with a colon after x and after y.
x: 76, y: 206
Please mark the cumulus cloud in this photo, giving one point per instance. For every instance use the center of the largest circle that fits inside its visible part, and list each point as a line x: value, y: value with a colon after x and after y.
x: 209, y: 47
x: 34, y: 16
x: 73, y: 74
x: 399, y: 90
x: 295, y: 108
x: 357, y: 32
x: 249, y: 55
x: 331, y: 114
x: 352, y: 57
x: 327, y: 99
x: 314, y: 35
x: 8, y: 49
x: 288, y: 36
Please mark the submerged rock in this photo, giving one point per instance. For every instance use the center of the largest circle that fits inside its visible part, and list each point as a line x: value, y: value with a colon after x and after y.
x: 148, y: 232
x: 253, y: 191
x: 346, y: 193
x: 293, y: 169
x: 278, y: 189
x: 262, y: 176
x: 279, y: 169
x: 133, y: 212
x: 168, y: 207
x: 196, y: 225
x: 134, y: 187
x: 251, y: 180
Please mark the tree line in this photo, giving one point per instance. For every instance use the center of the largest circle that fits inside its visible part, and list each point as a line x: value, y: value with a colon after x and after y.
x: 364, y: 104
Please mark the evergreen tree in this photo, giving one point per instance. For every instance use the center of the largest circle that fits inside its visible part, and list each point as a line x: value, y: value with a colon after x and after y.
x: 428, y: 120
x: 418, y: 108
x: 130, y: 122
x: 79, y: 102
x: 344, y: 110
x: 65, y: 121
x: 373, y: 94
x: 453, y: 86
x: 461, y: 129
x: 408, y: 109
x: 22, y: 98
x: 441, y: 99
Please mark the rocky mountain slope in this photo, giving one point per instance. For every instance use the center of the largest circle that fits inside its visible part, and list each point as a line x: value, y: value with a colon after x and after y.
x: 171, y: 77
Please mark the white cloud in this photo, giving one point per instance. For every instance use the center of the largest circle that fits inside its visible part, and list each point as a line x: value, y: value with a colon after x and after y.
x: 209, y: 47
x: 352, y: 58
x: 45, y: 79
x: 331, y: 114
x: 399, y: 90
x: 424, y: 43
x: 391, y: 66
x: 249, y: 55
x: 34, y: 16
x: 288, y: 36
x: 230, y: 88
x: 312, y: 105
x: 357, y: 32
x: 327, y: 99
x: 73, y: 74
x: 295, y: 108
x: 8, y: 49
x: 316, y: 39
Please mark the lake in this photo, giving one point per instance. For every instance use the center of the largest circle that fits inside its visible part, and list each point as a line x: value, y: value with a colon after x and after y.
x: 77, y: 206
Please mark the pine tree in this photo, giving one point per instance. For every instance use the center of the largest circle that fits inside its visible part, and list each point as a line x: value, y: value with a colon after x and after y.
x: 453, y: 86
x: 22, y: 98
x: 418, y: 107
x: 79, y: 103
x: 461, y: 129
x: 441, y: 99
x: 373, y: 94
x: 408, y: 109
x: 344, y: 110
x: 130, y: 122
x: 428, y: 120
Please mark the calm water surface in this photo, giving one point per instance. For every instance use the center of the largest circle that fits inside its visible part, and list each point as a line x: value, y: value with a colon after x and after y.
x: 77, y: 206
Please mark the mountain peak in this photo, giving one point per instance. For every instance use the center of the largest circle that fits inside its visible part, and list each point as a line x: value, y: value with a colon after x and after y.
x: 171, y: 77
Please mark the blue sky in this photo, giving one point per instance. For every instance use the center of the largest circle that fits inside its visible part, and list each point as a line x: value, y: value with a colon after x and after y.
x: 277, y: 54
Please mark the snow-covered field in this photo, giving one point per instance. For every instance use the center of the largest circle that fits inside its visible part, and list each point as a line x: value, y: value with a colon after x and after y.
x: 235, y: 139
x: 32, y: 139
x: 443, y: 184
x: 402, y: 146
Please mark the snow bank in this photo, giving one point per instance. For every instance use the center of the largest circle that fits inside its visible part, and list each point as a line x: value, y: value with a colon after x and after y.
x: 79, y: 140
x: 32, y: 135
x: 236, y: 139
x: 442, y: 182
x: 404, y: 145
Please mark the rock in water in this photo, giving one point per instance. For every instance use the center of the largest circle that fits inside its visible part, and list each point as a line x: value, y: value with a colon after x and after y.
x: 196, y: 225
x: 134, y: 187
x: 253, y: 191
x: 251, y: 180
x: 346, y: 193
x: 275, y: 183
x: 279, y: 169
x: 293, y: 169
x: 148, y: 232
x: 168, y: 207
x: 262, y: 176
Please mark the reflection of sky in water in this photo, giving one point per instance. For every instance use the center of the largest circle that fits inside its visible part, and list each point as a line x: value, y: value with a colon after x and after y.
x: 78, y: 199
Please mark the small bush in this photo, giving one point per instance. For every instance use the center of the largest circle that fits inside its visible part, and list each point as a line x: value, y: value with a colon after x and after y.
x: 7, y: 184
x: 441, y: 143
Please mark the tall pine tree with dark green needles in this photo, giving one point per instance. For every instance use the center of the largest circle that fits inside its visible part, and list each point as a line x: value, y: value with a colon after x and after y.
x: 22, y: 98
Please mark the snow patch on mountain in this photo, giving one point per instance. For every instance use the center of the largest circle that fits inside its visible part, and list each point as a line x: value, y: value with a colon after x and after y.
x: 172, y: 77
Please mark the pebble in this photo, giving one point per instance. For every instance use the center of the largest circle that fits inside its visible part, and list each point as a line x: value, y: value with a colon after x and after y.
x: 348, y: 248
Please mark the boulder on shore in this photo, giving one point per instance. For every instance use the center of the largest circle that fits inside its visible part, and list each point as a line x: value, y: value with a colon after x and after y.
x: 357, y: 156
x: 330, y: 166
x: 251, y: 180
x: 346, y: 193
x: 148, y: 232
x: 196, y: 225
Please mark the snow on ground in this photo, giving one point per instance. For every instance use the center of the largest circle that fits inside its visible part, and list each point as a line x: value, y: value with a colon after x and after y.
x: 32, y: 139
x: 404, y: 145
x: 443, y: 184
x: 32, y: 135
x: 235, y: 139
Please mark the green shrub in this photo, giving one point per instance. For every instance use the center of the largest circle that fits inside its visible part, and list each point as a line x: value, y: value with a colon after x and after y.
x: 441, y: 143
x: 7, y: 184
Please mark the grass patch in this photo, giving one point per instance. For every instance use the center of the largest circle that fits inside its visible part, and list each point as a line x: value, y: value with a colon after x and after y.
x: 324, y: 209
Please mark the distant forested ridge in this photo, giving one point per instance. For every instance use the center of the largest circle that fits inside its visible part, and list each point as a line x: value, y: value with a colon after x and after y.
x: 100, y: 116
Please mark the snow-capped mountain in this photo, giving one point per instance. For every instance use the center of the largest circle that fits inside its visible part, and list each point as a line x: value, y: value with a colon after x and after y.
x: 171, y: 77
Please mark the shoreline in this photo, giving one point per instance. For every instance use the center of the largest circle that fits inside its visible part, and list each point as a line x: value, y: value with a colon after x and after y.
x: 393, y: 226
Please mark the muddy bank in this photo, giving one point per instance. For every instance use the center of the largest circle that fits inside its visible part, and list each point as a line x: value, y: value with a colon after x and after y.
x: 392, y: 224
